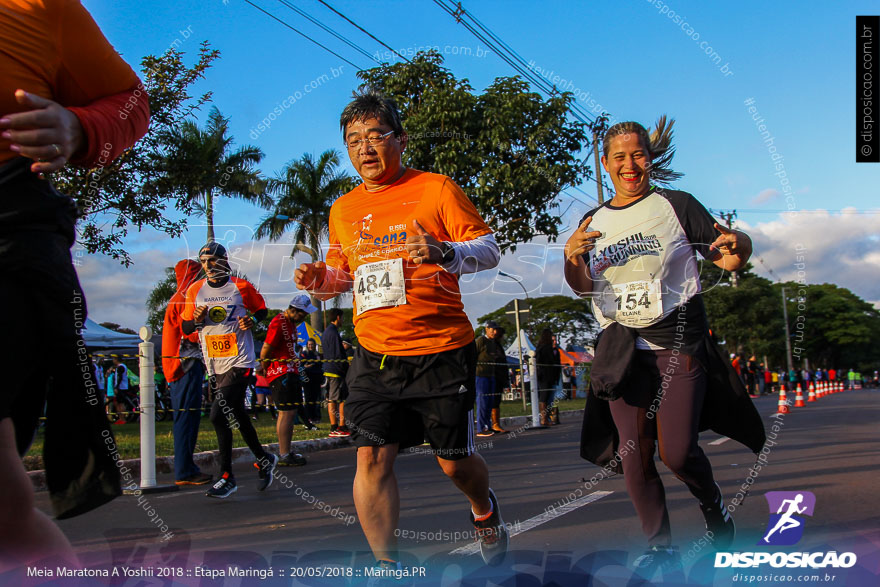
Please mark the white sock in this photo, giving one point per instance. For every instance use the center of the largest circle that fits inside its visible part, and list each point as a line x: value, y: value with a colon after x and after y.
x: 489, y: 513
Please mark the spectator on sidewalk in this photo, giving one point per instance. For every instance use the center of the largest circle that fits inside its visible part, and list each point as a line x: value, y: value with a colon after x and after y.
x: 502, y: 382
x: 313, y: 376
x: 549, y: 371
x: 184, y: 370
x: 335, y: 369
x: 488, y: 354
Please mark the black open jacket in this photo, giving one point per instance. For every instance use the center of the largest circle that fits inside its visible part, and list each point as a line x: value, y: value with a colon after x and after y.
x: 727, y: 409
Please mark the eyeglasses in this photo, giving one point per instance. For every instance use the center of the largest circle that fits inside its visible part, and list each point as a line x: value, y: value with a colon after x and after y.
x: 371, y: 141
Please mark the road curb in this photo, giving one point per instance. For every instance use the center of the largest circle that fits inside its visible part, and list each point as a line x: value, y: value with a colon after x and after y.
x: 208, y: 459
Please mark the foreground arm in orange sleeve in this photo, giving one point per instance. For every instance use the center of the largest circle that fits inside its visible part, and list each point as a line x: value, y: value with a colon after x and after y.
x: 111, y: 125
x: 326, y: 280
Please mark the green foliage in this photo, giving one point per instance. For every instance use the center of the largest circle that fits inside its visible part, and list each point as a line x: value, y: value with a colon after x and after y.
x: 829, y: 325
x: 158, y: 299
x: 832, y: 326
x: 199, y: 164
x: 747, y: 317
x: 113, y: 199
x: 567, y: 317
x: 117, y: 328
x: 509, y: 149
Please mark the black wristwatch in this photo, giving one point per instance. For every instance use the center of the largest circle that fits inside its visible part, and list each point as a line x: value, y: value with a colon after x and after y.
x: 448, y: 252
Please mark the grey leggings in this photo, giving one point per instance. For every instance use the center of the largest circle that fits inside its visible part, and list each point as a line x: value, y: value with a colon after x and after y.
x: 662, y: 405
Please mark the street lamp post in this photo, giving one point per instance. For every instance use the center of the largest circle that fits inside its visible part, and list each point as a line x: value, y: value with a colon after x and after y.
x: 522, y: 380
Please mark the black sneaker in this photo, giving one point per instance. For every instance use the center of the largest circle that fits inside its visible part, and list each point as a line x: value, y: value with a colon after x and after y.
x: 266, y: 468
x: 720, y: 528
x: 223, y: 488
x: 486, y: 432
x: 292, y: 460
x: 665, y: 558
x: 492, y: 535
x: 309, y: 425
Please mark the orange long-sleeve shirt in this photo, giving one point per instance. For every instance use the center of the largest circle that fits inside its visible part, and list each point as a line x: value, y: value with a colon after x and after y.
x: 54, y: 49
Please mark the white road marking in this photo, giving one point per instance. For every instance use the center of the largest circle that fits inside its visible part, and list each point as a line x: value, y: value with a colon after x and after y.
x: 319, y: 471
x: 520, y: 527
x: 719, y: 441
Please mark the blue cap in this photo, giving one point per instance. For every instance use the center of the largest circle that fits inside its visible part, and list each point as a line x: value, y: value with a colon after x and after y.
x: 302, y: 302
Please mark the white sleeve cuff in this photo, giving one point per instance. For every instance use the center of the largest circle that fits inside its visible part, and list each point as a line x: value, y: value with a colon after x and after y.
x: 474, y: 255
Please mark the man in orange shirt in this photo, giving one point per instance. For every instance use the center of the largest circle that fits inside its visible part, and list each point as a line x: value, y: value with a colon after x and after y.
x: 400, y: 240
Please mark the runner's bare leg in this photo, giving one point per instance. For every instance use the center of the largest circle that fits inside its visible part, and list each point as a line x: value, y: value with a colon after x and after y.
x: 29, y: 534
x: 377, y: 499
x: 471, y: 476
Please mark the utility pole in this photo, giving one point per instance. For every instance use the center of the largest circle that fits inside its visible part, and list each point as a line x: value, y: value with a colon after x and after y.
x: 728, y: 218
x: 787, y: 335
x: 522, y: 373
x: 598, y: 129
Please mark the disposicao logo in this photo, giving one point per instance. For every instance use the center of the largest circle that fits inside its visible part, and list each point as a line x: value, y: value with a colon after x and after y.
x: 785, y: 526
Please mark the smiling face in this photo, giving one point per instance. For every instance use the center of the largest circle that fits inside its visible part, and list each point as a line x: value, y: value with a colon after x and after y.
x: 380, y: 164
x: 627, y: 163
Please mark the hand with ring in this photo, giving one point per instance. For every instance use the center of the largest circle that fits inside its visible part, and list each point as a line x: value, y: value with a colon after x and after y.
x: 421, y: 246
x: 46, y: 132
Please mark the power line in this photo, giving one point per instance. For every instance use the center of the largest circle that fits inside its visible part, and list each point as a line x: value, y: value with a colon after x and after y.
x: 842, y: 211
x: 297, y: 31
x: 317, y: 22
x: 518, y: 63
x: 362, y: 29
x: 510, y: 56
x: 767, y: 267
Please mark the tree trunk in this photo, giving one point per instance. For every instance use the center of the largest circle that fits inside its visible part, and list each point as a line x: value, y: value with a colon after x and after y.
x: 209, y: 215
x: 317, y: 318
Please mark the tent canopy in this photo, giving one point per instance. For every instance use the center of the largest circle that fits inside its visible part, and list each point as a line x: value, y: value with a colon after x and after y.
x: 96, y: 336
x: 527, y: 346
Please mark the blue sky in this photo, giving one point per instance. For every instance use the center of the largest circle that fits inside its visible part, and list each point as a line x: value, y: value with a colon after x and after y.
x: 638, y: 59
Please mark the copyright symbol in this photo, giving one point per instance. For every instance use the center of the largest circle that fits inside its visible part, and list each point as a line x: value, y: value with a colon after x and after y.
x: 866, y: 150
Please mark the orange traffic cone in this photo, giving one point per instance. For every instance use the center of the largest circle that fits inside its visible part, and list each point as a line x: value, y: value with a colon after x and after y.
x: 811, y: 396
x: 783, y: 402
x: 799, y: 398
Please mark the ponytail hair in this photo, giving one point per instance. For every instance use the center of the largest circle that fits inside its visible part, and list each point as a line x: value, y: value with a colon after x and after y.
x: 658, y: 144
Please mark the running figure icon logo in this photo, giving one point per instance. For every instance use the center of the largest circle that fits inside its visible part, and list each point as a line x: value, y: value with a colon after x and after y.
x: 785, y: 527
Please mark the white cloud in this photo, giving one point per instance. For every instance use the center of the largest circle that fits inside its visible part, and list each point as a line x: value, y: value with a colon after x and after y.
x: 838, y: 248
x: 765, y: 196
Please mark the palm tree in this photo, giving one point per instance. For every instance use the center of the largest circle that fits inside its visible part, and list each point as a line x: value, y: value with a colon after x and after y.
x: 199, y: 164
x: 305, y: 190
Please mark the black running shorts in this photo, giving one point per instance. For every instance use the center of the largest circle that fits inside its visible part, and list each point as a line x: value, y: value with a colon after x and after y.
x: 407, y: 400
x: 287, y: 392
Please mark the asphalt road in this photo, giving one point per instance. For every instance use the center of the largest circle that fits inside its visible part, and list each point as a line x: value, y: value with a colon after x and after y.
x: 830, y: 448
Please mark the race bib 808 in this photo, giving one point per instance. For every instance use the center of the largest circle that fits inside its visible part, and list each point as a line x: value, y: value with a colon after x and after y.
x: 221, y: 345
